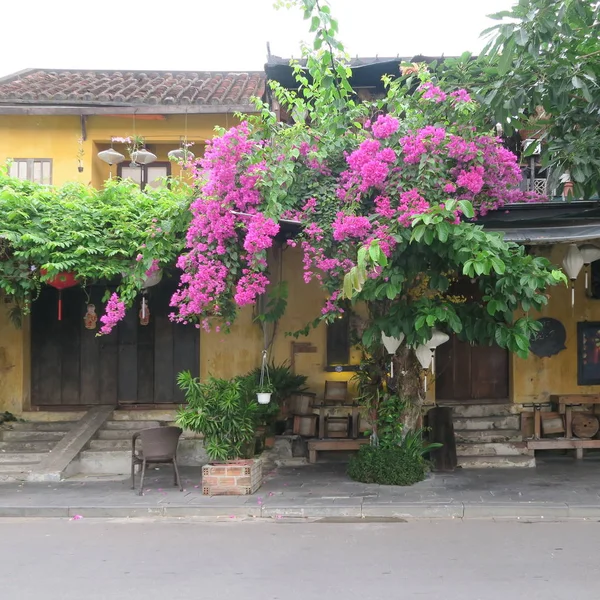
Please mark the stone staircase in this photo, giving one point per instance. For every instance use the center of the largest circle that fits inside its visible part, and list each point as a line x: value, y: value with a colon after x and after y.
x: 110, y: 450
x: 24, y: 445
x: 489, y: 436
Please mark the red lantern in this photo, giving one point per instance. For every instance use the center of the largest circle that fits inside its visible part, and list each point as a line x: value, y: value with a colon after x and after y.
x: 60, y: 282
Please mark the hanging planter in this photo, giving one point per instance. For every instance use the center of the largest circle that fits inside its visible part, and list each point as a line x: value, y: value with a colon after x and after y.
x: 61, y: 281
x: 265, y: 387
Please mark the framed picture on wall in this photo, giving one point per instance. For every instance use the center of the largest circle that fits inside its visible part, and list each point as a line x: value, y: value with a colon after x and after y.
x: 588, y: 353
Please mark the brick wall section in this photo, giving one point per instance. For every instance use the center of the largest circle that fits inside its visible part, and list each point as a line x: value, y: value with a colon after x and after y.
x: 239, y: 478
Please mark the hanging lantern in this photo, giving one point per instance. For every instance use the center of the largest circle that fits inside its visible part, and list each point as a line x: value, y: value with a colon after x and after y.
x: 590, y: 253
x: 144, y: 313
x: 111, y: 156
x: 152, y: 279
x: 423, y: 354
x: 572, y: 265
x: 426, y: 352
x: 391, y: 344
x: 143, y: 157
x: 60, y: 282
x: 181, y: 155
x: 437, y: 339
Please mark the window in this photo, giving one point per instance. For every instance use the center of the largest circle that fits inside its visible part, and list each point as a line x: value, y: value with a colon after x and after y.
x: 152, y: 173
x: 38, y: 170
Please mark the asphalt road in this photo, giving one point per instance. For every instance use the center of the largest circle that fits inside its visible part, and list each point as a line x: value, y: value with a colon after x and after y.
x: 476, y: 560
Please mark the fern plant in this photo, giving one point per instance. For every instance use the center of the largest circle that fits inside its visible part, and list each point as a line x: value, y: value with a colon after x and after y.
x: 223, y: 411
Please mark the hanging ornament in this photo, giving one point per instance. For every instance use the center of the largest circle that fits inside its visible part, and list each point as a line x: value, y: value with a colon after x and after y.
x: 263, y: 395
x: 60, y: 282
x: 152, y: 279
x: 144, y: 313
x: 91, y: 318
x: 181, y: 155
x: 426, y: 352
x: 111, y: 156
x: 437, y: 339
x: 391, y: 344
x: 572, y: 264
x: 423, y: 354
x: 589, y: 253
x: 143, y: 157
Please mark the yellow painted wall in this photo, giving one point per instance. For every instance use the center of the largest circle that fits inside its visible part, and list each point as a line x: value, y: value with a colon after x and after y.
x: 535, y: 379
x: 24, y: 136
x: 14, y: 363
x: 236, y: 353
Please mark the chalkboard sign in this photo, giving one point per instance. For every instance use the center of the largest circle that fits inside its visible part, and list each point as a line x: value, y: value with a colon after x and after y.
x: 550, y: 340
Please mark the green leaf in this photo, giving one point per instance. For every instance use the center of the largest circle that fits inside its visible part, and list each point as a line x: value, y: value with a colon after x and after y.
x: 466, y: 208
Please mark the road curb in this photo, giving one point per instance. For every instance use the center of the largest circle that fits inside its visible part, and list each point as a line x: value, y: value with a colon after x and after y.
x: 366, y: 511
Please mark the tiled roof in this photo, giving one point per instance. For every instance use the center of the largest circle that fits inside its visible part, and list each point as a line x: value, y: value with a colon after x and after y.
x: 130, y: 88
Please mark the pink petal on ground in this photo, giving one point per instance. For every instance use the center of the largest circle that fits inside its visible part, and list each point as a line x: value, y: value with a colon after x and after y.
x: 76, y: 518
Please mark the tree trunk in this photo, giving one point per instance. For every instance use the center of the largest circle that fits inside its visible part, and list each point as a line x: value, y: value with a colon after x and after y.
x: 407, y: 384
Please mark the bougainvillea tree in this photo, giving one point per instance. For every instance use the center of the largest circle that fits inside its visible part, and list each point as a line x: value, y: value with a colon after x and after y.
x: 387, y: 192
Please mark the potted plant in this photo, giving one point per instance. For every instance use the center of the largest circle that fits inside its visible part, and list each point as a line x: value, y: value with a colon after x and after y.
x: 224, y: 412
x: 264, y: 392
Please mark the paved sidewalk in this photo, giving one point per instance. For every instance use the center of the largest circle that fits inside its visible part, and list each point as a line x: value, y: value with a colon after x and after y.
x: 555, y: 490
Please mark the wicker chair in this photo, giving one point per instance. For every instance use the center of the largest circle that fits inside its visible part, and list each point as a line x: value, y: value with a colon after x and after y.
x: 159, y: 446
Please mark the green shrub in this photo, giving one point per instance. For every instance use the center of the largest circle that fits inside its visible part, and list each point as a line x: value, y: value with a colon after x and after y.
x: 224, y: 411
x: 392, y: 465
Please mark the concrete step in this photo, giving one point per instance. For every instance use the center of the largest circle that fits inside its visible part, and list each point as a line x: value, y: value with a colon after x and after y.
x: 496, y: 462
x: 111, y: 445
x: 24, y: 446
x: 19, y: 467
x: 487, y: 436
x: 484, y: 410
x: 129, y: 425
x: 493, y: 449
x: 20, y: 457
x: 502, y: 422
x: 96, y: 462
x: 115, y: 434
x: 8, y: 435
x: 33, y: 426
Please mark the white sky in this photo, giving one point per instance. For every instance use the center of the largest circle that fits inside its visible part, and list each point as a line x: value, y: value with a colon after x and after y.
x: 224, y: 34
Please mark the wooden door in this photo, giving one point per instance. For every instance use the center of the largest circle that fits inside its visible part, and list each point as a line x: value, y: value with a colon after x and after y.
x: 466, y: 373
x: 135, y: 364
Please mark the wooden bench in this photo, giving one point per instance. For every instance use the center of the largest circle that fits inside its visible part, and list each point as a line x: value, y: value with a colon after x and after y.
x: 315, y: 446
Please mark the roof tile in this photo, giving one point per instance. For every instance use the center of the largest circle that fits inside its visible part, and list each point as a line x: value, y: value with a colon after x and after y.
x: 40, y: 86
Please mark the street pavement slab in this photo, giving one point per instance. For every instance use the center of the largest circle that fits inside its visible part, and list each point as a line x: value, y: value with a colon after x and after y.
x: 557, y: 489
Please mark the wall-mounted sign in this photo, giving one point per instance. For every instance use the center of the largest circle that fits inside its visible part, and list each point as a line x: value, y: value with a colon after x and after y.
x: 550, y: 340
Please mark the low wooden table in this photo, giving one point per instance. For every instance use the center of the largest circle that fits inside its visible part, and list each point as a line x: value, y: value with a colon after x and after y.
x: 565, y: 405
x: 315, y: 446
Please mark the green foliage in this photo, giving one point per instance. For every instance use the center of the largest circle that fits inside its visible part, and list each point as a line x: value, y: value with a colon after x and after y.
x: 283, y: 383
x: 393, y: 465
x: 98, y: 234
x: 510, y: 281
x: 224, y: 411
x: 543, y: 54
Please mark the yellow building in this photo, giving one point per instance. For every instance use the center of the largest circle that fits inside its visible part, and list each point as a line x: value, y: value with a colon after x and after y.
x: 53, y: 125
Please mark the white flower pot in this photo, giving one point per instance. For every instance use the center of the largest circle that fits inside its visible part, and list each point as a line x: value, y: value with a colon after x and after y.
x: 263, y: 398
